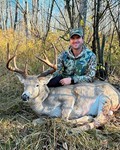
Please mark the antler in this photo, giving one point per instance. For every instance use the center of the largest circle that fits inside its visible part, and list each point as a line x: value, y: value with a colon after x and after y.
x: 47, y: 61
x: 24, y: 72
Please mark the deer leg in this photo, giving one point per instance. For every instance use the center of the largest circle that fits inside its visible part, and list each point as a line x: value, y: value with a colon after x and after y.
x: 103, y: 111
x: 38, y: 121
x: 102, y: 117
x: 67, y: 107
x: 81, y: 120
x: 98, y: 121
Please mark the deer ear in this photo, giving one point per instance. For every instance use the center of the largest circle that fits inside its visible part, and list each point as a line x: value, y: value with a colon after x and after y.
x: 21, y: 78
x: 45, y: 80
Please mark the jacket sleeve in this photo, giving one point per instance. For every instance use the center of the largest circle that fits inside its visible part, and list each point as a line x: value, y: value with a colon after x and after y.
x: 90, y: 74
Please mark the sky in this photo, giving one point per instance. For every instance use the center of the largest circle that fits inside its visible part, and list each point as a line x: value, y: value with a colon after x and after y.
x: 41, y: 3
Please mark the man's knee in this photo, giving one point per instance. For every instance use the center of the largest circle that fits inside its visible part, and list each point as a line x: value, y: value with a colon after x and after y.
x: 55, y: 82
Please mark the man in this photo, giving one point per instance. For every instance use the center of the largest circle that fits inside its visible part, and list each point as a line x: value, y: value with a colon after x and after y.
x: 75, y: 65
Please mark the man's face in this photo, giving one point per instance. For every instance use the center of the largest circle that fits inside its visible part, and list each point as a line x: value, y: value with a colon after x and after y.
x: 76, y: 42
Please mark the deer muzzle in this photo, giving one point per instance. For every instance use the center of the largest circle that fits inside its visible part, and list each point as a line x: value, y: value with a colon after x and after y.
x: 25, y: 97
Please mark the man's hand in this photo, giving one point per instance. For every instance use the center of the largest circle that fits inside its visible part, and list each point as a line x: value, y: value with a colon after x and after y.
x: 65, y: 81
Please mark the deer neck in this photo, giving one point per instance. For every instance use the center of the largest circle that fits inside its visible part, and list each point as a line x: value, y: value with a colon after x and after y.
x: 37, y: 103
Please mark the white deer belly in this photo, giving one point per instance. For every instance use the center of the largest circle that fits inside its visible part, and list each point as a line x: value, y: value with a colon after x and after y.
x: 52, y: 112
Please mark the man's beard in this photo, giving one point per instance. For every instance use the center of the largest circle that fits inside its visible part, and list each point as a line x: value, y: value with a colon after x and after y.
x: 78, y: 48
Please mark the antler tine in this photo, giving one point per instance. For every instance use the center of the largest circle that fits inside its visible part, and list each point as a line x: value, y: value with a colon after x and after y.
x: 14, y: 62
x: 47, y: 62
x: 15, y: 68
x: 8, y: 64
x: 8, y: 53
x: 45, y: 56
x: 26, y: 69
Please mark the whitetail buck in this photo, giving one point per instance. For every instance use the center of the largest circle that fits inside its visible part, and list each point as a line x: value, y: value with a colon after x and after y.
x: 86, y: 104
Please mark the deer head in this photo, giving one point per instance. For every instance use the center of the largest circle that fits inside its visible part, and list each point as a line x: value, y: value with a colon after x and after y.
x: 33, y: 85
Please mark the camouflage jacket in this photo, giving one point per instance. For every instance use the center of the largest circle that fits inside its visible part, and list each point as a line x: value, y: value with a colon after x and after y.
x: 81, y: 68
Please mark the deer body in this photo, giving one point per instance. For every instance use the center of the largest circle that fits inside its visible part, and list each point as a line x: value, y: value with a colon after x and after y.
x: 70, y: 102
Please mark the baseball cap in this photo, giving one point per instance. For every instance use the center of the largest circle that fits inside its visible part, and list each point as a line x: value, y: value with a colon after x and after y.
x: 78, y: 31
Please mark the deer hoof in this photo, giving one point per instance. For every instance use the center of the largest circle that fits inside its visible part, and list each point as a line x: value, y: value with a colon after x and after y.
x: 38, y: 121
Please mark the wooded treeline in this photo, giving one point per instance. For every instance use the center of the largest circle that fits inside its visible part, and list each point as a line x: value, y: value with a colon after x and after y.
x: 37, y: 18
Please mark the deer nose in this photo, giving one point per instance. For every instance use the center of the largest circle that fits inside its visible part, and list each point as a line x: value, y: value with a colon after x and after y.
x: 25, y: 97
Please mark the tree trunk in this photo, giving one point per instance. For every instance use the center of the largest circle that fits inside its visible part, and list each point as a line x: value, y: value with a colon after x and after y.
x: 25, y: 18
x: 69, y: 12
x: 85, y: 11
x: 11, y: 19
x: 33, y: 9
x: 49, y: 19
x: 16, y: 15
x: 6, y: 18
x: 115, y: 21
x: 37, y: 10
x: 97, y: 30
x: 94, y: 29
x: 1, y: 16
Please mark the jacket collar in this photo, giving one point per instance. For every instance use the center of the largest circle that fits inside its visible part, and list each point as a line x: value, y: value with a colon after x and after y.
x: 70, y: 53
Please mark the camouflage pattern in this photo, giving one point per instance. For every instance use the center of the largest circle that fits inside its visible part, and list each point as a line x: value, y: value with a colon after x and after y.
x: 78, y: 31
x: 81, y: 68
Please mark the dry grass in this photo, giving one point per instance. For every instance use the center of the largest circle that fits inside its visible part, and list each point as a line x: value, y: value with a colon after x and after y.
x: 18, y: 133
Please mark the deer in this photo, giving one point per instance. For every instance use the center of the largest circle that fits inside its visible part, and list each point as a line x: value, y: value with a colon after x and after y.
x: 86, y: 105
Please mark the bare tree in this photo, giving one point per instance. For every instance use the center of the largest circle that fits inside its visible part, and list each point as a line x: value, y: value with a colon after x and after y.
x: 16, y: 14
x: 11, y: 17
x: 2, y: 16
x: 98, y: 48
x: 115, y: 21
x: 49, y: 19
x: 25, y: 18
x: 6, y: 18
x: 35, y: 10
x: 25, y: 15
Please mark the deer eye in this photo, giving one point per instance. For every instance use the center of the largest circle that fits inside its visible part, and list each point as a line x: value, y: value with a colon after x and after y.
x: 37, y: 85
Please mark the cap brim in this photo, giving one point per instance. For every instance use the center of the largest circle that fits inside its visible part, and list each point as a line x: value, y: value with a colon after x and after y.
x: 75, y: 34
